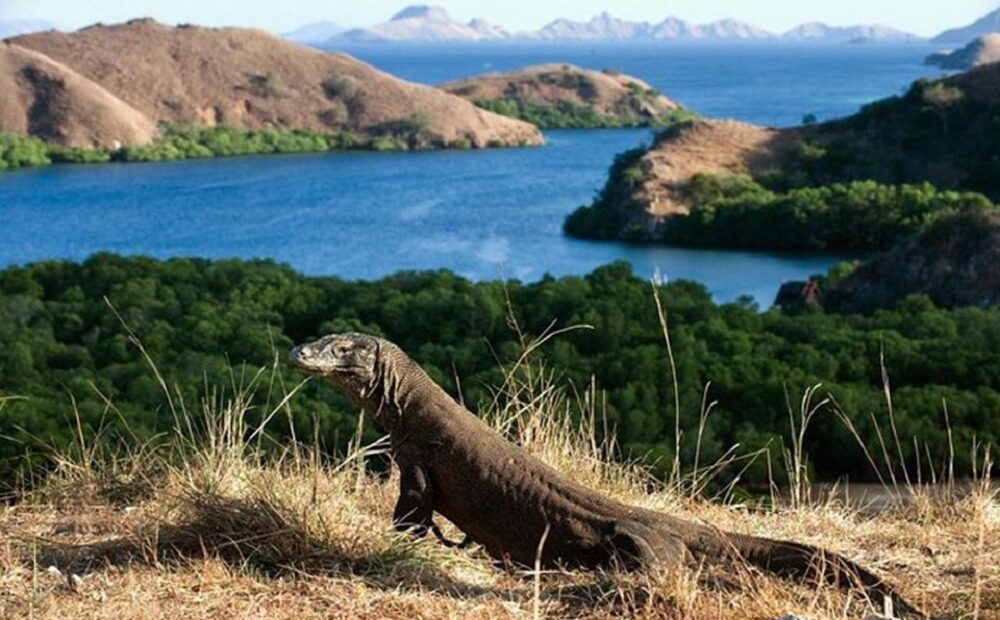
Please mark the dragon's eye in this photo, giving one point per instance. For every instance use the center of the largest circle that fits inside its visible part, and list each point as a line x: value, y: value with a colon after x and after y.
x: 340, y: 349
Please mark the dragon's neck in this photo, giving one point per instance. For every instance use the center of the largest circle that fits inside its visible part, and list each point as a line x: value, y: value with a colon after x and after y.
x: 402, y: 392
x: 398, y: 390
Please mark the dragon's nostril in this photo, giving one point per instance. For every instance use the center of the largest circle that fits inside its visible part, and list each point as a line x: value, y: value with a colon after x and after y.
x: 298, y: 353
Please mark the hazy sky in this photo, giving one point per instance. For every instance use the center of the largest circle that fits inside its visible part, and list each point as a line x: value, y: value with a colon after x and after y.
x: 921, y: 16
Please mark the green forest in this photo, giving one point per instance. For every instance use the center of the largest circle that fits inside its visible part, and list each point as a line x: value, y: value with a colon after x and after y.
x: 196, y: 142
x: 737, y: 211
x: 206, y: 324
x: 569, y: 115
x: 943, y: 131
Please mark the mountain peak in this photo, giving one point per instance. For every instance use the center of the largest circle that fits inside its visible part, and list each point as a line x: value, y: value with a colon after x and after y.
x: 422, y: 11
x: 984, y: 25
x: 422, y: 22
x: 314, y: 33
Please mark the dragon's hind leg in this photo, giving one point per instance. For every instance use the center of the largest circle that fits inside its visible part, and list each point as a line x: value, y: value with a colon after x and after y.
x: 634, y: 545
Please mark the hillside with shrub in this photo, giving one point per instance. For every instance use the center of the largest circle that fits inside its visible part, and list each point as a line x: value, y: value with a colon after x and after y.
x: 569, y: 97
x: 738, y: 212
x: 108, y: 87
x: 945, y: 133
x: 954, y: 262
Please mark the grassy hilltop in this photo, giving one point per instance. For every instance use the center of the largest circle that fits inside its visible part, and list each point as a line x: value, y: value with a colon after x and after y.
x: 202, y: 523
x: 567, y: 97
x: 160, y: 458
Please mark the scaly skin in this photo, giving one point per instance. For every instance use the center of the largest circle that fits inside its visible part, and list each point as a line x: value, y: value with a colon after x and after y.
x: 506, y: 500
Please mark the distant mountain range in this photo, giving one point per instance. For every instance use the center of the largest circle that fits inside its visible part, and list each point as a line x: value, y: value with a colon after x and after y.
x: 12, y: 28
x: 314, y: 33
x: 817, y: 31
x: 607, y: 27
x: 960, y: 36
x: 424, y: 23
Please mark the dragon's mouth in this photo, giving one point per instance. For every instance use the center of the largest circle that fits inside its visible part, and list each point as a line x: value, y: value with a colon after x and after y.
x: 301, y: 358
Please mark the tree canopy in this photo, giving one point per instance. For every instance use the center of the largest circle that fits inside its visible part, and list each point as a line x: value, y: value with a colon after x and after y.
x: 207, y: 323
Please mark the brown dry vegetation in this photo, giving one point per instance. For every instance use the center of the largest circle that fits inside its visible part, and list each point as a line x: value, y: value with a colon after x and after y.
x: 705, y: 147
x: 251, y: 79
x: 203, y: 525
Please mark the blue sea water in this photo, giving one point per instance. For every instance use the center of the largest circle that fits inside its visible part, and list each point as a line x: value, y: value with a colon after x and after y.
x: 772, y: 84
x: 484, y: 215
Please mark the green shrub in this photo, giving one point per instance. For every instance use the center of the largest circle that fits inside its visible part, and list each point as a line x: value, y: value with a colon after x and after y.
x: 343, y: 140
x: 570, y: 115
x: 386, y: 143
x: 21, y: 152
x: 412, y: 132
x: 862, y: 216
x: 266, y: 85
x: 178, y: 142
x: 343, y: 88
x: 64, y: 155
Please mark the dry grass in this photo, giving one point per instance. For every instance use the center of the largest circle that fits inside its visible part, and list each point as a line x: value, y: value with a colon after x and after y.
x: 205, y: 526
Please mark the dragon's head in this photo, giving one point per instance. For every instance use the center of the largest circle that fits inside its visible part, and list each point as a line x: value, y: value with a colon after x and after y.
x: 368, y: 370
x: 349, y: 360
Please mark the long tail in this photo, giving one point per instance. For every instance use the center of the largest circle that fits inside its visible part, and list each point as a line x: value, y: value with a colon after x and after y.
x: 803, y: 562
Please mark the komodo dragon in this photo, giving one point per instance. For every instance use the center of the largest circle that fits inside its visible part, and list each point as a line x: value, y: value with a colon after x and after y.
x: 506, y: 500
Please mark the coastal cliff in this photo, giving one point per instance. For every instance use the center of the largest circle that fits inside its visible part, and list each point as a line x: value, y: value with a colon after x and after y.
x: 981, y: 51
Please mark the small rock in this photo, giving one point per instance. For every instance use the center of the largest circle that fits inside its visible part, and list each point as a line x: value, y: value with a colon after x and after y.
x: 75, y: 581
x: 512, y: 607
x: 54, y: 571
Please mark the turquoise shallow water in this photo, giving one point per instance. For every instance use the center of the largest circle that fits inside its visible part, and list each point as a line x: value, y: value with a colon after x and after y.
x: 482, y: 214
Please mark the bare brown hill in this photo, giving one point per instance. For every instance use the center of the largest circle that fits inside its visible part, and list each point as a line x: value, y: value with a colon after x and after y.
x: 706, y: 147
x: 252, y: 79
x: 43, y: 98
x: 611, y: 94
x: 652, y: 185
